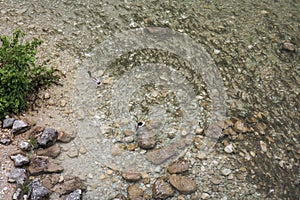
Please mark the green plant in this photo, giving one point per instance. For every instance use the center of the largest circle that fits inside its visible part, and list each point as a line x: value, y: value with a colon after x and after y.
x: 20, y: 77
x: 33, y: 142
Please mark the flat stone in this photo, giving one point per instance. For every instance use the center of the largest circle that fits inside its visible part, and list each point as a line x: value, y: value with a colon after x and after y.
x: 183, y: 184
x: 73, y: 152
x: 8, y: 122
x: 134, y: 192
x: 161, y: 189
x: 5, y: 141
x: 179, y: 166
x: 37, y: 191
x: 205, y: 195
x: 146, y: 140
x: 48, y: 137
x: 17, y: 175
x: 263, y: 146
x: 239, y: 126
x: 20, y: 160
x: 131, y: 176
x: 40, y: 165
x: 76, y: 195
x: 63, y: 103
x: 65, y: 137
x: 215, y: 180
x: 52, y: 151
x: 19, y: 126
x: 226, y: 172
x: 69, y: 185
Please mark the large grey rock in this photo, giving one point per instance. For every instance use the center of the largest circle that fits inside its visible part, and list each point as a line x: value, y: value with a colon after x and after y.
x: 20, y: 126
x: 48, y: 137
x: 17, y: 175
x: 8, y: 122
x: 37, y: 191
x: 76, y: 195
x: 20, y: 160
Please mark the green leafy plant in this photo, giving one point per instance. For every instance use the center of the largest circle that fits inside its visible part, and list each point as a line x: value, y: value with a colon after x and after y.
x: 20, y: 77
x: 33, y: 142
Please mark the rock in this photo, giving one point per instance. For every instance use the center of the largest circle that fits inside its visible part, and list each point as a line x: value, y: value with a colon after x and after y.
x: 146, y: 139
x: 5, y: 141
x: 69, y: 185
x: 239, y: 126
x: 131, y: 176
x: 73, y: 152
x: 37, y: 191
x: 19, y: 126
x: 8, y: 122
x: 229, y: 148
x: 47, y: 95
x: 134, y: 192
x: 52, y: 151
x: 120, y: 197
x: 64, y: 137
x: 215, y: 180
x: 183, y: 184
x: 63, y: 103
x: 17, y: 175
x: 41, y: 165
x: 205, y: 195
x: 226, y: 172
x: 263, y: 146
x: 25, y: 146
x: 76, y: 195
x: 20, y: 160
x: 288, y: 46
x: 161, y: 189
x: 178, y: 167
x: 82, y: 150
x: 48, y: 137
x: 18, y: 194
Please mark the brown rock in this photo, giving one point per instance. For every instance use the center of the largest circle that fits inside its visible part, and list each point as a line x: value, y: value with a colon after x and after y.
x: 69, y: 185
x: 146, y: 139
x: 65, y: 137
x: 131, y: 176
x: 179, y: 166
x: 41, y: 165
x: 183, y: 184
x: 134, y: 192
x: 161, y: 189
x: 239, y: 126
x: 120, y: 197
x: 288, y: 46
x: 52, y: 151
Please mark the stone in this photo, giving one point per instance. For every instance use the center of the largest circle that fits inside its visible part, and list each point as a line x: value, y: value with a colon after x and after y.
x: 178, y: 167
x: 73, y: 152
x: 5, y: 141
x: 226, y: 172
x: 134, y: 192
x: 63, y: 103
x: 40, y: 165
x: 229, y: 148
x: 20, y: 160
x: 205, y: 195
x: 69, y: 185
x: 288, y: 46
x: 183, y: 184
x: 131, y: 176
x: 215, y: 180
x: 18, y: 194
x: 48, y: 137
x: 17, y: 175
x: 76, y: 195
x: 47, y: 95
x: 64, y: 137
x: 37, y: 191
x: 52, y: 151
x: 161, y: 189
x: 8, y: 122
x: 20, y: 126
x: 146, y: 139
x: 239, y: 126
x: 263, y: 146
x: 25, y: 146
x: 82, y: 150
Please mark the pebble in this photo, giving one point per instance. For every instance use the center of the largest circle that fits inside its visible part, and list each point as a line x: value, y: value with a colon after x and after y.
x: 8, y: 122
x: 25, y: 146
x: 72, y: 152
x: 183, y: 184
x: 82, y: 150
x: 63, y: 103
x: 47, y: 95
x: 161, y: 189
x: 215, y: 180
x: 131, y: 176
x: 135, y: 192
x: 19, y: 126
x: 229, y: 148
x: 226, y: 172
x: 263, y: 146
x: 288, y: 46
x: 51, y: 102
x: 19, y: 160
x: 239, y: 126
x: 205, y: 195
